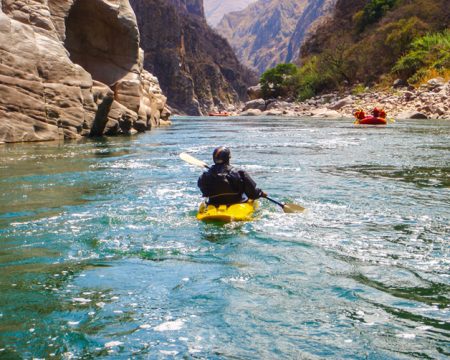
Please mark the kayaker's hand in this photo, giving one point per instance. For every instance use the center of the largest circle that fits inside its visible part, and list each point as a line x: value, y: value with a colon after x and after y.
x: 262, y: 194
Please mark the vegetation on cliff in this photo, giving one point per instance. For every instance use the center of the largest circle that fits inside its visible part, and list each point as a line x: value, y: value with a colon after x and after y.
x: 369, y: 42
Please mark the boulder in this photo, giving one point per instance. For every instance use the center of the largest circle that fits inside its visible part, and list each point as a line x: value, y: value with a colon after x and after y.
x: 399, y: 83
x: 258, y: 104
x: 341, y: 103
x: 411, y: 115
x: 251, y: 112
x: 434, y: 83
x: 254, y: 92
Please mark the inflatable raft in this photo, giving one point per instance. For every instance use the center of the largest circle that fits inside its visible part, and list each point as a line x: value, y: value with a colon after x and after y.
x: 221, y: 113
x: 371, y: 120
x: 224, y: 213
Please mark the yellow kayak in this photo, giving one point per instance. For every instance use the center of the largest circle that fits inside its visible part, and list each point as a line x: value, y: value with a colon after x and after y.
x: 224, y: 213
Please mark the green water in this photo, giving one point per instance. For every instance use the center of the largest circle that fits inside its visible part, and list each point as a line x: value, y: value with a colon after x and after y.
x: 101, y: 255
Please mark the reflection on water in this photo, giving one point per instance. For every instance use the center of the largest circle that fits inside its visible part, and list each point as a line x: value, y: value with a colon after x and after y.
x: 420, y: 176
x: 101, y: 255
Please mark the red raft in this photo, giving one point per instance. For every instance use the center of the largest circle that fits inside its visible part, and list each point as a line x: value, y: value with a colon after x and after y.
x: 371, y: 120
x: 378, y: 117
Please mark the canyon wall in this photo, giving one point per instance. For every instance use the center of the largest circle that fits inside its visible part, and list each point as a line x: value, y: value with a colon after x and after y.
x: 196, y: 67
x: 72, y: 68
x: 269, y: 32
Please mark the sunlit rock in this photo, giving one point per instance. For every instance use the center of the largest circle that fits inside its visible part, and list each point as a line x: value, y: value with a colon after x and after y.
x: 71, y: 68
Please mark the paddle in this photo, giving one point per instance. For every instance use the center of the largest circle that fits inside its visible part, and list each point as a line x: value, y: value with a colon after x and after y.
x: 287, y: 208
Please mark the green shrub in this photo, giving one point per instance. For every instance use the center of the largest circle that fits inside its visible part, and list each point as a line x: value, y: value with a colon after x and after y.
x: 359, y: 89
x: 312, y: 79
x: 372, y: 12
x: 278, y: 81
x: 429, y: 52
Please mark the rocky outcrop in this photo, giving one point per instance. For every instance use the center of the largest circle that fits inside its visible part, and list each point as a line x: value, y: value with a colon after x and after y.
x: 270, y: 32
x: 70, y: 68
x: 196, y: 67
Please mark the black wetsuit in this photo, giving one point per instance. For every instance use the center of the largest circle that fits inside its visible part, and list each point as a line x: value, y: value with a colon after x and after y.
x: 224, y: 185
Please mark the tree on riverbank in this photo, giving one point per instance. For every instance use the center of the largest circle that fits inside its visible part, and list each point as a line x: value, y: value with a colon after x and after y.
x: 373, y: 43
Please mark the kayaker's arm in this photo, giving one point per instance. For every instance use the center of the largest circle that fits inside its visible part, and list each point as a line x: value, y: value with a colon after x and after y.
x: 250, y: 188
x: 201, y: 183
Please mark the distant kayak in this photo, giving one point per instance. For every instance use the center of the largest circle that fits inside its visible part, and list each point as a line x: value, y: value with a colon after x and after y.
x: 224, y: 213
x: 221, y: 113
x: 371, y: 120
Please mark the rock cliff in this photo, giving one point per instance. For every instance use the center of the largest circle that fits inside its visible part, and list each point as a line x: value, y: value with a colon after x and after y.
x: 70, y: 68
x: 270, y: 32
x: 196, y: 67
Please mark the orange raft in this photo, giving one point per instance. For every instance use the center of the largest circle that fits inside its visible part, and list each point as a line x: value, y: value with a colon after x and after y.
x: 221, y: 113
x: 371, y: 120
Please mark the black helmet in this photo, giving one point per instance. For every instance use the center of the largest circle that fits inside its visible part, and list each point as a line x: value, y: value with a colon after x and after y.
x: 221, y: 155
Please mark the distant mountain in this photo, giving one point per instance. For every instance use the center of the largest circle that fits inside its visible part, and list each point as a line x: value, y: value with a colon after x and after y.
x: 216, y: 9
x: 269, y: 32
x: 197, y: 68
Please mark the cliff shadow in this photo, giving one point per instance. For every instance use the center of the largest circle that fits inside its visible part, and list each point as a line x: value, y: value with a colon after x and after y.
x: 101, y: 40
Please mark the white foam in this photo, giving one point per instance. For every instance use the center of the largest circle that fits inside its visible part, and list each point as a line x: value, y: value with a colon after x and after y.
x: 168, y: 352
x: 113, y: 344
x: 170, y: 325
x: 81, y: 300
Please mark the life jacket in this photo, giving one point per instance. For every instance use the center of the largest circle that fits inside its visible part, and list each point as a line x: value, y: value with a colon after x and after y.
x: 222, y: 185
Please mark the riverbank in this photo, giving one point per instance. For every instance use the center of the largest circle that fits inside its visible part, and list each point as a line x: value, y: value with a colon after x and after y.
x: 429, y: 101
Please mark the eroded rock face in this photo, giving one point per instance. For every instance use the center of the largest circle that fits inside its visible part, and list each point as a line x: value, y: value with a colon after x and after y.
x: 71, y: 68
x: 196, y: 67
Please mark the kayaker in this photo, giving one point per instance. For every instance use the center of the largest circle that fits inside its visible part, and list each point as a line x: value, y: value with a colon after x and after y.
x: 379, y: 113
x: 224, y: 185
x: 359, y: 114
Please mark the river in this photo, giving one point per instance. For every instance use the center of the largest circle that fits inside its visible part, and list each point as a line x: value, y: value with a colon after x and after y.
x: 101, y: 255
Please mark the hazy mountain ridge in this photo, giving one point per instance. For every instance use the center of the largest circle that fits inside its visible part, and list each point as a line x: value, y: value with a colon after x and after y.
x: 269, y: 32
x: 216, y: 9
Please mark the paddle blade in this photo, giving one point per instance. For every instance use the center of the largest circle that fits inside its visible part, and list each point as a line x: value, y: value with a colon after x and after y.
x: 192, y: 160
x: 293, y: 208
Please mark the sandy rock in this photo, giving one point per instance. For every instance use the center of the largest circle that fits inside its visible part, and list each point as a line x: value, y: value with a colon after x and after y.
x: 276, y: 104
x: 65, y: 65
x: 326, y: 113
x: 273, y: 112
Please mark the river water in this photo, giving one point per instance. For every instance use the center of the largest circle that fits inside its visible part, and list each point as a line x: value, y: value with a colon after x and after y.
x: 101, y: 255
